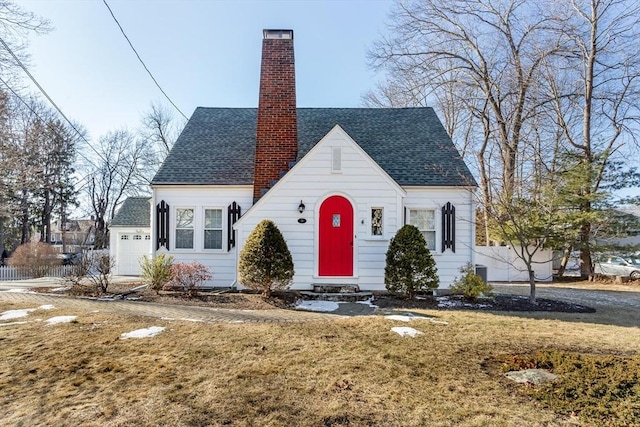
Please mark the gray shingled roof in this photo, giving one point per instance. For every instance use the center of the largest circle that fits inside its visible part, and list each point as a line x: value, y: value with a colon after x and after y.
x: 134, y: 212
x: 217, y: 145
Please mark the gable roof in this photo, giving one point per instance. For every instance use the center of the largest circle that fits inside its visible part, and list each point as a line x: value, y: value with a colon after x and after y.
x: 217, y: 145
x: 134, y: 212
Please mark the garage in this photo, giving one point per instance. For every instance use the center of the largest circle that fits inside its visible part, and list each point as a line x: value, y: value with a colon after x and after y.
x: 132, y: 247
x: 130, y: 235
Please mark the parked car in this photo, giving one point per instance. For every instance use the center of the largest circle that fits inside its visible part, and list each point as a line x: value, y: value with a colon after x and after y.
x: 68, y: 258
x: 618, y: 266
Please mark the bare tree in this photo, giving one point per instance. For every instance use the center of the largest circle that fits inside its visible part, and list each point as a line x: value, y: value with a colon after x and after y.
x: 492, y: 51
x: 158, y: 132
x: 596, y: 93
x: 114, y: 177
x: 16, y: 24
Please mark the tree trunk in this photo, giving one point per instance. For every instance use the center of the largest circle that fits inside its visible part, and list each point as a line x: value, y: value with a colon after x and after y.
x: 24, y: 238
x: 586, y: 270
x: 532, y: 285
x: 99, y: 242
x: 566, y: 255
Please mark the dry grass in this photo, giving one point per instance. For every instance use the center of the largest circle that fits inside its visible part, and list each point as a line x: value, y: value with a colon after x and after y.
x: 345, y: 372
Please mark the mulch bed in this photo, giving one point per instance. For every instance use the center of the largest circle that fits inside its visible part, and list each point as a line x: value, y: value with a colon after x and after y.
x: 249, y: 300
x: 499, y: 302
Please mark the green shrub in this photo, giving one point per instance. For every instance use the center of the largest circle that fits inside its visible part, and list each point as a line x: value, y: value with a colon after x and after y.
x: 599, y: 389
x: 470, y: 285
x: 36, y: 257
x: 156, y: 271
x: 265, y: 261
x: 410, y: 268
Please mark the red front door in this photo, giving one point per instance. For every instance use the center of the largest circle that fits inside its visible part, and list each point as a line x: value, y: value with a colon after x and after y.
x: 336, y: 237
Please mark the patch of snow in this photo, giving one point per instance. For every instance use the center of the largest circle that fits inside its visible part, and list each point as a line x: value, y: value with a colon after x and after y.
x: 62, y: 289
x: 13, y: 323
x: 404, y: 318
x: 61, y: 319
x: 316, y: 305
x: 368, y: 302
x: 181, y: 318
x: 143, y: 333
x: 20, y: 291
x: 405, y: 331
x: 16, y: 314
x: 46, y: 307
x: 446, y: 302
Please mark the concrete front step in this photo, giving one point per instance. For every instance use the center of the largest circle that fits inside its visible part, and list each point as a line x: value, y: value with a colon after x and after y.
x: 335, y: 288
x: 337, y: 296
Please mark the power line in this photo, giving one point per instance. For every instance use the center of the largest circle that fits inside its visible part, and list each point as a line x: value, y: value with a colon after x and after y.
x: 33, y: 79
x: 43, y: 120
x: 141, y: 61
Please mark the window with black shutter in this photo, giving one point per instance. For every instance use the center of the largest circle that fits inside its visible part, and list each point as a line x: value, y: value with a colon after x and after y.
x: 448, y: 227
x: 233, y: 214
x: 162, y: 225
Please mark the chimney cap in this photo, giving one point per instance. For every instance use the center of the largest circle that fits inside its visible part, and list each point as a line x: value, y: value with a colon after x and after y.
x: 277, y: 34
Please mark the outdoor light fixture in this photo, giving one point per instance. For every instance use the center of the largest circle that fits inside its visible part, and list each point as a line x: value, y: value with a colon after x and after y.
x: 301, y: 207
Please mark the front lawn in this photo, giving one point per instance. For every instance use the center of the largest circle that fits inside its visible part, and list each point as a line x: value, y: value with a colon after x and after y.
x: 351, y: 371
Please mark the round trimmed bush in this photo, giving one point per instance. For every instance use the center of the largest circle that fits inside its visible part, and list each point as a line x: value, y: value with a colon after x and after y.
x: 265, y: 261
x: 410, y: 268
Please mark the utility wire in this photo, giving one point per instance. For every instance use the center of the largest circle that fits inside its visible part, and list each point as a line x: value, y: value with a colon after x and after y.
x: 33, y: 79
x: 43, y: 120
x: 17, y: 95
x: 141, y: 61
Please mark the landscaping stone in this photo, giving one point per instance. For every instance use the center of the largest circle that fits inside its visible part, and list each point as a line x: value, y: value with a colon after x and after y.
x: 531, y: 376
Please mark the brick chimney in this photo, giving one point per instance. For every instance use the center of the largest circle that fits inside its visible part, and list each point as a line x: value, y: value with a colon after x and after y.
x: 277, y: 129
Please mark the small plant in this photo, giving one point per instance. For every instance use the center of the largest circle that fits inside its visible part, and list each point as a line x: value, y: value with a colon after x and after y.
x: 188, y: 277
x: 36, y: 257
x: 156, y: 271
x: 93, y: 268
x: 410, y: 268
x: 470, y: 285
x: 265, y: 261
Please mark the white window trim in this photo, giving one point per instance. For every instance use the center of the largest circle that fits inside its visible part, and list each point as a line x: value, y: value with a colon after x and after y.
x: 223, y: 225
x: 175, y: 229
x: 372, y: 237
x: 435, y: 220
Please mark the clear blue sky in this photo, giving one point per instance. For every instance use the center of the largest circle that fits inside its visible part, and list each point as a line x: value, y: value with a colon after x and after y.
x: 203, y: 53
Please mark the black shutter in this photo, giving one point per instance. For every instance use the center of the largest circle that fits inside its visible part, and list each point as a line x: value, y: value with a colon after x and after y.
x: 233, y: 213
x: 162, y: 225
x: 448, y: 227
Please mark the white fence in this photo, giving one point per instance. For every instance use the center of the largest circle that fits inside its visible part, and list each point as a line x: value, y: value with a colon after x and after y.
x: 503, y: 265
x: 21, y: 273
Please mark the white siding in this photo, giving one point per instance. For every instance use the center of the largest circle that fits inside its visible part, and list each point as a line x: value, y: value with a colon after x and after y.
x: 448, y: 262
x: 222, y: 263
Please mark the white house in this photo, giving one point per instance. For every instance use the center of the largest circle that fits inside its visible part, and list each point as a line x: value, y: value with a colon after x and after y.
x: 338, y: 183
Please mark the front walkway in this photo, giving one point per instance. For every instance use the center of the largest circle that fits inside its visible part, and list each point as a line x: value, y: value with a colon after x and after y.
x: 163, y: 311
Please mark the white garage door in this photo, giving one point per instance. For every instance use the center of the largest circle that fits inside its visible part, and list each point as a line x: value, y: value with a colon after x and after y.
x: 131, y: 248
